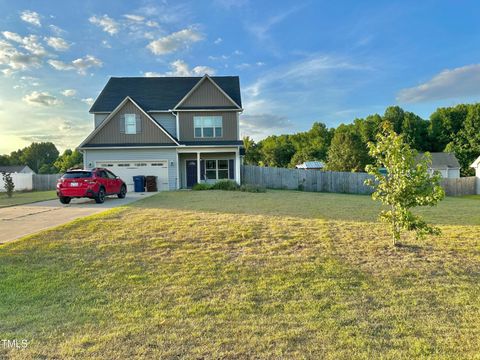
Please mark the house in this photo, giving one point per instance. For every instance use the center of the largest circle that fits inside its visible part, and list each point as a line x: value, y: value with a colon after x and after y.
x: 445, y: 163
x: 311, y: 165
x: 476, y: 166
x: 183, y: 130
x: 16, y: 169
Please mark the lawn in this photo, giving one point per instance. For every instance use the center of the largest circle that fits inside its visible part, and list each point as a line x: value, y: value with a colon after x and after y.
x: 20, y: 198
x: 215, y: 274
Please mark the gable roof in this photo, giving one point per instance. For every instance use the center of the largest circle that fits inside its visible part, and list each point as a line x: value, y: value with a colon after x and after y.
x: 14, y: 168
x: 442, y: 160
x: 476, y: 163
x: 158, y: 93
x: 116, y: 110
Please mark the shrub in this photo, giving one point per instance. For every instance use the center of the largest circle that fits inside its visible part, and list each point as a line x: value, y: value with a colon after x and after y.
x: 252, y: 188
x: 202, y: 186
x: 225, y: 185
x: 8, y: 183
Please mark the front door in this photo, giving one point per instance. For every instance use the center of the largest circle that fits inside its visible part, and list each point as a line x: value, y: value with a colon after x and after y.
x: 191, y: 173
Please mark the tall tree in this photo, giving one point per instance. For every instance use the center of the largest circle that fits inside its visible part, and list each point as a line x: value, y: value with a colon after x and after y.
x: 69, y: 159
x: 277, y: 151
x: 252, y: 154
x: 406, y: 185
x: 347, y: 150
x: 445, y: 123
x: 466, y: 143
x: 40, y: 156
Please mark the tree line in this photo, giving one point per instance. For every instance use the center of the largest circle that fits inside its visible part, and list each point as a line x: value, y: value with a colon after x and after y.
x: 453, y: 129
x: 43, y: 158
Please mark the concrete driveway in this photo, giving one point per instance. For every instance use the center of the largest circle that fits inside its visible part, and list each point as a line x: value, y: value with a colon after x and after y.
x: 21, y: 220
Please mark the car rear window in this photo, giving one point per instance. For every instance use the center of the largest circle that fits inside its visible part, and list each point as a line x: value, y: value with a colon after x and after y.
x: 77, y: 174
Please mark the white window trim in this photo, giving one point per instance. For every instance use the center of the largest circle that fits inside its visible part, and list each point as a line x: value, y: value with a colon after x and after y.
x: 129, y: 117
x: 217, y: 169
x: 203, y: 127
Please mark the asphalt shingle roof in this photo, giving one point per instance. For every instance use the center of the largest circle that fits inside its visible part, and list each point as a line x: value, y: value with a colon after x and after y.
x: 157, y: 93
x: 442, y: 160
x: 12, y: 168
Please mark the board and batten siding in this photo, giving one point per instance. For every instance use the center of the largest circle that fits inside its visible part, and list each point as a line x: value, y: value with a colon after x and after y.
x: 98, y: 118
x: 206, y: 95
x: 230, y: 126
x: 93, y: 155
x: 150, y: 133
x: 167, y: 120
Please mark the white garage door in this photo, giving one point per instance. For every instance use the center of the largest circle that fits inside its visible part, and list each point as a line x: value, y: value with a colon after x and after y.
x: 126, y: 170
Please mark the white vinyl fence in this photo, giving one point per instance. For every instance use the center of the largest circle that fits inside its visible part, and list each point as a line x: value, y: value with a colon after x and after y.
x: 23, y: 182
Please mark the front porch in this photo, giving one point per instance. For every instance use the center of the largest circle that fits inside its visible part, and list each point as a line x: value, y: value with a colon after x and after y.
x: 215, y: 165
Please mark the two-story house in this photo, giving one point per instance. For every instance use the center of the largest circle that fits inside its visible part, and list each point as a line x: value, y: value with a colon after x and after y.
x: 183, y: 130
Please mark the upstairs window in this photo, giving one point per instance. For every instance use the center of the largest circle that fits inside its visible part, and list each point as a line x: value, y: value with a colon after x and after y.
x: 208, y: 126
x: 130, y: 124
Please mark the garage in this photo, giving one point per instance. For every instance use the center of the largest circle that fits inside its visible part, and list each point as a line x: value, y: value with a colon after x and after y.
x: 126, y: 170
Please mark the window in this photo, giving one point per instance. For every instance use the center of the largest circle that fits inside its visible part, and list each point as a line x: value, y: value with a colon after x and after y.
x: 110, y: 175
x: 216, y: 169
x: 208, y: 126
x: 130, y: 124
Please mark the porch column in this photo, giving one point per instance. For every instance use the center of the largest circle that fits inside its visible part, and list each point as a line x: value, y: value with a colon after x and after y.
x: 237, y: 167
x: 198, y: 168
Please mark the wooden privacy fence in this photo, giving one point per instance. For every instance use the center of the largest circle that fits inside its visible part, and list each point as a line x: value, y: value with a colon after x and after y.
x: 460, y: 186
x: 307, y: 180
x: 45, y: 181
x: 335, y: 182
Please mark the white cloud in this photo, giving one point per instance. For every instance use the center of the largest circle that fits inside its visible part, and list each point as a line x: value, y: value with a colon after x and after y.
x: 88, y: 101
x: 41, y: 98
x: 106, y: 44
x: 56, y: 30
x: 31, y: 17
x: 12, y: 60
x: 181, y: 68
x: 151, y: 23
x: 57, y: 43
x: 69, y: 92
x: 106, y: 23
x: 448, y: 84
x: 135, y: 18
x: 175, y: 41
x: 31, y: 43
x: 81, y: 65
x: 218, y: 41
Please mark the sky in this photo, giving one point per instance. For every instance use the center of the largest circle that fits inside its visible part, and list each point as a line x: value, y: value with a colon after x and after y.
x: 298, y: 61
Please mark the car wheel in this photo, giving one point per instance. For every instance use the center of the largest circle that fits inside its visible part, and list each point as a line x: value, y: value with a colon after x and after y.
x: 100, y: 196
x: 65, y: 199
x: 122, y: 193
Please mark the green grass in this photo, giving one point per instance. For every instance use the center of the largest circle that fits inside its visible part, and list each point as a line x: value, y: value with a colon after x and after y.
x: 232, y: 275
x: 20, y: 198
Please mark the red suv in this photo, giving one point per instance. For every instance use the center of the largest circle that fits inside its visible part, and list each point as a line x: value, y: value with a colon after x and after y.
x: 94, y: 184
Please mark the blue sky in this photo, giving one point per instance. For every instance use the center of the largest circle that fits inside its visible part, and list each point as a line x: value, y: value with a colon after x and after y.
x: 298, y: 61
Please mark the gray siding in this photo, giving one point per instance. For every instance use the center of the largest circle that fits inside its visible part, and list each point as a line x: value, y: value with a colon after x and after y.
x: 99, y: 119
x: 150, y: 133
x: 230, y: 125
x: 136, y: 154
x: 206, y: 95
x: 168, y: 121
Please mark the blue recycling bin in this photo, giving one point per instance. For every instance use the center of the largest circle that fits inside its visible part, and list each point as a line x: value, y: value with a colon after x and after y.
x: 139, y: 183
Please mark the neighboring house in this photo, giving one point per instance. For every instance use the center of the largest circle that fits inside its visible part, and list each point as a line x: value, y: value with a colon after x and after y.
x: 311, y: 165
x: 476, y: 166
x: 445, y: 163
x: 17, y: 169
x: 183, y: 130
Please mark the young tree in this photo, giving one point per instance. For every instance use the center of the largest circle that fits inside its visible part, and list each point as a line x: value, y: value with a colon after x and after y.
x: 8, y: 183
x: 406, y: 185
x: 69, y: 159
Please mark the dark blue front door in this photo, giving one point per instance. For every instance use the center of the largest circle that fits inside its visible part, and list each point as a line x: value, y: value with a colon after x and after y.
x: 191, y: 173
